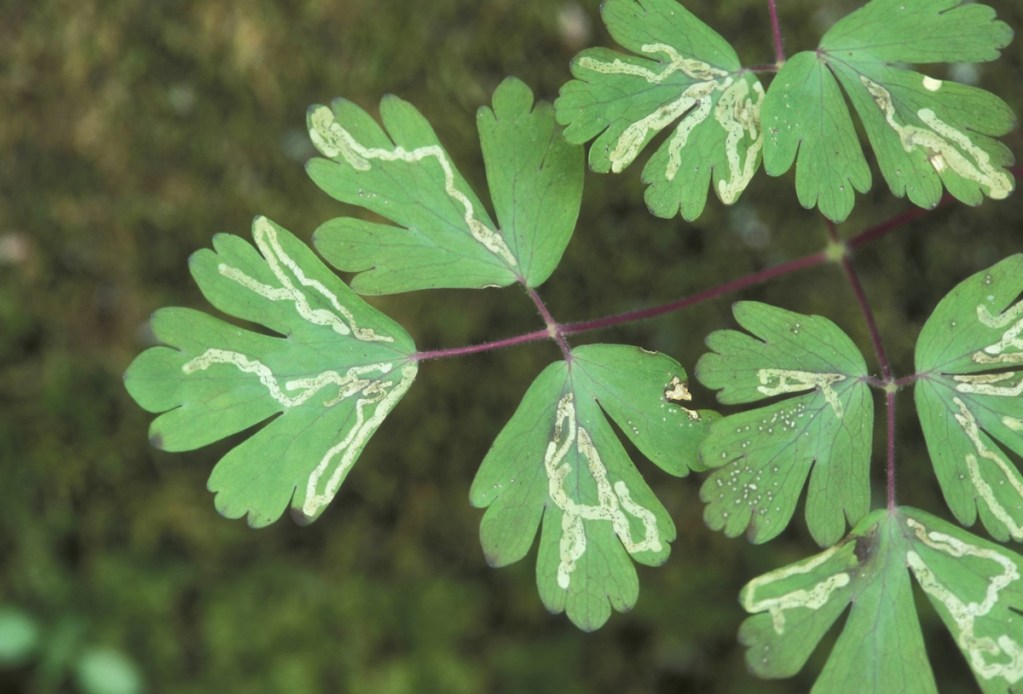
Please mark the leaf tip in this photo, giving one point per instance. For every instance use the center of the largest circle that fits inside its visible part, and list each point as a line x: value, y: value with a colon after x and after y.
x: 300, y: 517
x: 311, y: 110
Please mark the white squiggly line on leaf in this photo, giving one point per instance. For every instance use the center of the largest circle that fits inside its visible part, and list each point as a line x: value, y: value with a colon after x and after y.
x: 339, y: 458
x: 356, y: 381
x: 1009, y: 349
x: 340, y: 319
x: 739, y: 115
x: 690, y: 67
x: 990, y: 384
x: 813, y: 598
x: 348, y: 384
x: 333, y: 140
x: 795, y: 381
x: 614, y: 502
x: 1009, y: 473
x: 736, y: 113
x: 967, y: 616
x: 945, y: 146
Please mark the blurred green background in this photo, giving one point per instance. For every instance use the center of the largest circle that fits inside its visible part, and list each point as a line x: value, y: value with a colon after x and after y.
x: 131, y: 131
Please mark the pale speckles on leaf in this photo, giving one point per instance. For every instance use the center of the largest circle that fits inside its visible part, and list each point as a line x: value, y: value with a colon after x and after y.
x: 784, y: 421
x: 743, y: 486
x: 777, y: 381
x: 765, y: 457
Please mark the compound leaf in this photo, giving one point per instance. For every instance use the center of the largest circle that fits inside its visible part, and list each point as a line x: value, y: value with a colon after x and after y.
x: 975, y: 586
x: 969, y: 362
x: 684, y: 74
x: 925, y: 132
x: 763, y: 456
x: 329, y: 379
x: 559, y: 461
x: 795, y: 606
x: 445, y: 237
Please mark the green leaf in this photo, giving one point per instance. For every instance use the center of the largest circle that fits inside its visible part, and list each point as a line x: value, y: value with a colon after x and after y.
x: 100, y: 670
x: 535, y: 178
x: 795, y: 606
x: 763, y: 456
x: 445, y: 237
x: 925, y: 132
x: 975, y: 585
x: 19, y: 637
x: 336, y: 370
x: 558, y: 460
x: 805, y: 112
x: 684, y: 74
x: 969, y: 362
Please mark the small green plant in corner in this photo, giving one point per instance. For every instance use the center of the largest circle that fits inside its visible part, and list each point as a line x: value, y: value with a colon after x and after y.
x: 335, y: 367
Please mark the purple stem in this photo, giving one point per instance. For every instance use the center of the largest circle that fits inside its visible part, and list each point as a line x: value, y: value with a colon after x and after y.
x: 779, y: 50
x: 558, y: 331
x: 889, y: 225
x: 890, y: 457
x: 861, y: 239
x: 554, y: 329
x: 534, y: 336
x: 699, y: 297
x: 868, y: 315
x: 861, y: 298
x: 877, y: 231
x: 882, y: 358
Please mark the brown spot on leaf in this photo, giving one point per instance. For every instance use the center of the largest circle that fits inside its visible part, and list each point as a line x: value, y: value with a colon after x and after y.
x: 676, y: 391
